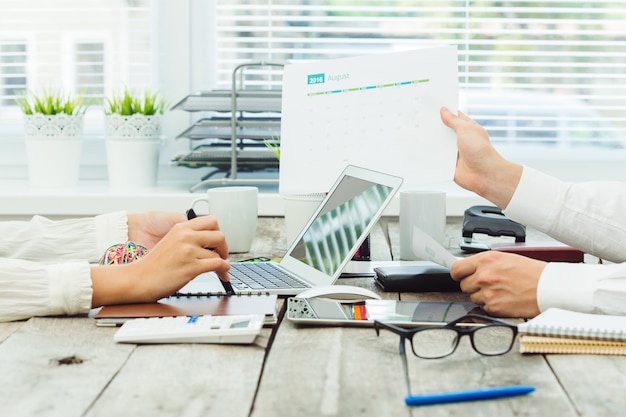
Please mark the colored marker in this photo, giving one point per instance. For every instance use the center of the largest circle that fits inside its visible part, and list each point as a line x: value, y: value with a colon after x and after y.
x: 472, y: 395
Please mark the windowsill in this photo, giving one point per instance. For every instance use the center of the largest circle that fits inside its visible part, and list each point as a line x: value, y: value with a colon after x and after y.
x: 19, y: 200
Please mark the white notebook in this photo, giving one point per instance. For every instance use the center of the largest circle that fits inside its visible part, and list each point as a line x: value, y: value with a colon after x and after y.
x: 564, y: 323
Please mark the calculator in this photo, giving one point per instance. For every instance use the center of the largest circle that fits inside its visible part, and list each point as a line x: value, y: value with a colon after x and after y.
x: 231, y: 329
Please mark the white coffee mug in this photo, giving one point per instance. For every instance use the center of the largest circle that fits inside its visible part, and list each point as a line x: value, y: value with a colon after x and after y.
x: 298, y: 211
x: 236, y: 210
x: 425, y: 210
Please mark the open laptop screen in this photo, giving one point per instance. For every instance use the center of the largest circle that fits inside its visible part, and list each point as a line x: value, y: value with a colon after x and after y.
x: 338, y: 227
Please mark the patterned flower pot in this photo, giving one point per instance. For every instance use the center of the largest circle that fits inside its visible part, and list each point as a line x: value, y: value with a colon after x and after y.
x: 133, y: 146
x: 53, y: 148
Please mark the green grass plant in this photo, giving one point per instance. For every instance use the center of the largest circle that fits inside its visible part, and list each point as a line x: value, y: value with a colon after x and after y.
x: 130, y: 102
x: 274, y: 146
x: 50, y: 102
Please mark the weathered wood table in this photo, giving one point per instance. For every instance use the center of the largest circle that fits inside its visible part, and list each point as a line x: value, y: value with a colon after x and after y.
x: 69, y: 367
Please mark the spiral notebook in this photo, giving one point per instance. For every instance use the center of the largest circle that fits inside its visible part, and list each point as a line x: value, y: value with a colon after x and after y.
x: 192, y: 305
x: 562, y: 331
x: 547, y: 344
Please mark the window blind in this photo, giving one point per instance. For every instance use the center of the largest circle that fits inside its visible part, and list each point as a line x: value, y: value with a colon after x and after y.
x: 88, y: 47
x: 548, y: 73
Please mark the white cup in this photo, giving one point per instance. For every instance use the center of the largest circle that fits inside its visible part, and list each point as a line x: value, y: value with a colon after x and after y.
x: 425, y: 210
x: 236, y: 210
x: 298, y: 211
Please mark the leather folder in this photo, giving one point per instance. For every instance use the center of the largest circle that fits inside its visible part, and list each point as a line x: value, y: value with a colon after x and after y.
x: 544, y: 251
x: 415, y: 278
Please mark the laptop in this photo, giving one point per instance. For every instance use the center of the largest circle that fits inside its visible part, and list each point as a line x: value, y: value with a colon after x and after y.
x: 323, y: 247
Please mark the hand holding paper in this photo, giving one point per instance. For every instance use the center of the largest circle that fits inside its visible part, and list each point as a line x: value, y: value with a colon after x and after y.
x: 429, y: 249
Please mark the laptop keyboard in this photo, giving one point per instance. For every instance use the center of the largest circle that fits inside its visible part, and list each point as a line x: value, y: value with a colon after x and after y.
x: 260, y: 276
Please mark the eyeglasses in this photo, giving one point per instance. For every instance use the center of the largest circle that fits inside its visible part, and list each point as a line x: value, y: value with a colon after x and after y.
x: 489, y: 336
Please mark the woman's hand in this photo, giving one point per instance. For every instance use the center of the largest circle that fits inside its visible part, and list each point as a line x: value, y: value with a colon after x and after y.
x: 150, y: 227
x: 189, y: 249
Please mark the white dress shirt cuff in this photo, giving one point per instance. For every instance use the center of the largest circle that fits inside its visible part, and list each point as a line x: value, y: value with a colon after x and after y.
x: 535, y: 199
x: 570, y: 286
x: 111, y: 229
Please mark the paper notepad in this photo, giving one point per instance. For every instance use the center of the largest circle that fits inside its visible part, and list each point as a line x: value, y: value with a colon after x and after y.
x: 192, y: 305
x: 562, y: 331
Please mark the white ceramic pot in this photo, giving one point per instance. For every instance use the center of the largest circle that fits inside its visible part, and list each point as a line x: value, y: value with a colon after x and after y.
x: 135, y: 126
x: 132, y: 163
x: 53, y: 148
x: 133, y: 146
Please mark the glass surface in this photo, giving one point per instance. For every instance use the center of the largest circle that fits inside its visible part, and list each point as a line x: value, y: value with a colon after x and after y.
x: 492, y: 340
x: 334, y: 234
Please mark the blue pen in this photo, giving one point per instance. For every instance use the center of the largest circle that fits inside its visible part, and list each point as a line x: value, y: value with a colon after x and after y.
x: 472, y: 395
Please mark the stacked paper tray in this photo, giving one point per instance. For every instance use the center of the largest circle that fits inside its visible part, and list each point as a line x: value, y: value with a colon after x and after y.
x: 257, y: 129
x: 222, y: 100
x: 247, y: 159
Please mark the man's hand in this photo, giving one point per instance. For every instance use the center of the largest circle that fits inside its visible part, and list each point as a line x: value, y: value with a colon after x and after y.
x: 503, y: 284
x: 479, y: 167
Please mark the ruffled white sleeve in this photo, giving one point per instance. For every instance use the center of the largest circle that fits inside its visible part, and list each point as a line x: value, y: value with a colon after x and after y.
x: 45, y: 264
x: 45, y: 240
x: 29, y: 289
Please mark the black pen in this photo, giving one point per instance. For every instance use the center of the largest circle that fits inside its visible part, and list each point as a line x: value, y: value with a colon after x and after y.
x: 226, y: 284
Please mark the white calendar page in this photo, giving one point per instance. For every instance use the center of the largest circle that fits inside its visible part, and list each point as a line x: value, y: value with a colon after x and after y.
x: 378, y: 111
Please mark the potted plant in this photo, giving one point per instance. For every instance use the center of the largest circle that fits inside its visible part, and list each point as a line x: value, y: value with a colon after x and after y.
x: 53, y: 126
x: 133, y: 120
x: 274, y: 146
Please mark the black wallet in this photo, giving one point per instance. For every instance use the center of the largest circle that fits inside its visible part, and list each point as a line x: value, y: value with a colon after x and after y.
x: 415, y: 278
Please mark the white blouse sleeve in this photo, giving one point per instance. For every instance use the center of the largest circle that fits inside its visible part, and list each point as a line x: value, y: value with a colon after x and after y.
x: 29, y: 289
x: 44, y: 264
x: 45, y: 240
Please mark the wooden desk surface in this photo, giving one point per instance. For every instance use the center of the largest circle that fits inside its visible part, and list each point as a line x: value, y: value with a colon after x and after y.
x: 69, y: 367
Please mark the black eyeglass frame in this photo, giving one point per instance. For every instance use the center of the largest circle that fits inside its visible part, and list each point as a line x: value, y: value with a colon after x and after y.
x: 482, y: 321
x: 406, y: 333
